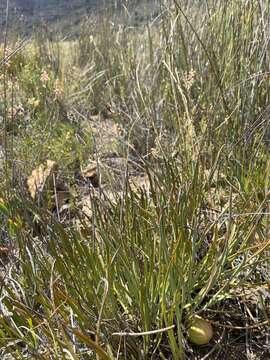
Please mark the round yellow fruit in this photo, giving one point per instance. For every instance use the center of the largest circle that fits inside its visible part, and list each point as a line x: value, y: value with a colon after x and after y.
x: 200, y: 331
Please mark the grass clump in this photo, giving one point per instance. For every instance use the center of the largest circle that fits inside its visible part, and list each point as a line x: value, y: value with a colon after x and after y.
x: 191, y: 99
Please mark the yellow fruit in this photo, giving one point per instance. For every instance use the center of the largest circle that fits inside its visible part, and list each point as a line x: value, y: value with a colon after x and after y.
x: 200, y: 331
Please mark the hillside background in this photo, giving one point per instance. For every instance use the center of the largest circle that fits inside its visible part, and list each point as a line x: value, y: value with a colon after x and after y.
x: 63, y: 15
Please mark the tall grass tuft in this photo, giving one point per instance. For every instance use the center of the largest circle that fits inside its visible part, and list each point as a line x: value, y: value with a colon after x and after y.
x: 190, y: 89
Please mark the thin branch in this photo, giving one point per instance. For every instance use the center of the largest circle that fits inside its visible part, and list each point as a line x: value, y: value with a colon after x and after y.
x: 144, y: 333
x: 255, y: 326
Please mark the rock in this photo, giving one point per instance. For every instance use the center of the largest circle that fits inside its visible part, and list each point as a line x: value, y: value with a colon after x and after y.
x: 4, y: 251
x: 43, y: 184
x: 90, y: 173
x: 86, y: 206
x: 42, y: 177
x: 61, y: 194
x: 111, y: 173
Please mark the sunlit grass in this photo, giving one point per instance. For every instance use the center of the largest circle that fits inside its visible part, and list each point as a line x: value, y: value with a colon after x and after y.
x: 190, y: 90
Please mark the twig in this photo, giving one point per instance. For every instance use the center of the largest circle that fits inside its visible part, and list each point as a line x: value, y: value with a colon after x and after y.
x: 20, y: 46
x: 264, y: 323
x: 144, y: 333
x: 215, y: 346
x: 56, y: 197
